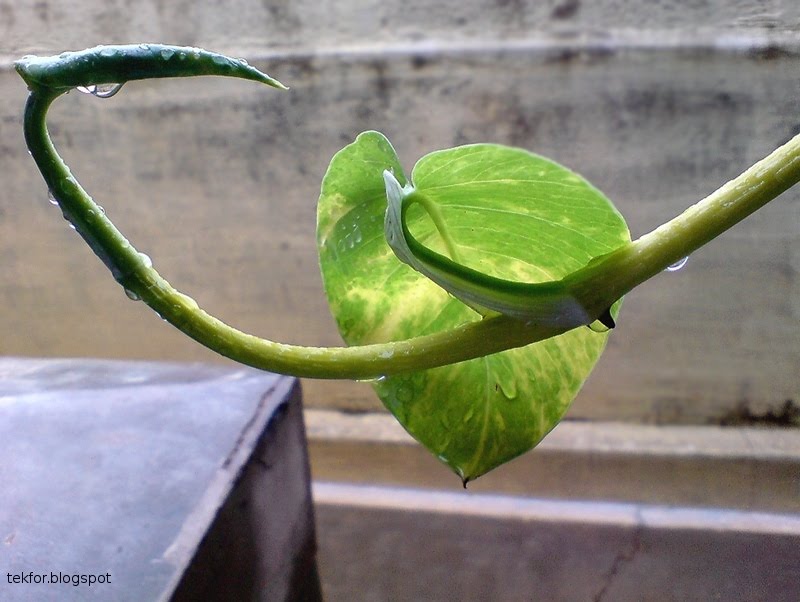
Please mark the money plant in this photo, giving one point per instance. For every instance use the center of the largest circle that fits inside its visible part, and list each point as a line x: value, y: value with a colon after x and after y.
x: 475, y: 292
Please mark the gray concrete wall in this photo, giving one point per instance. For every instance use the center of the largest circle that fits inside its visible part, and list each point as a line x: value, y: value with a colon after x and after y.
x: 657, y: 103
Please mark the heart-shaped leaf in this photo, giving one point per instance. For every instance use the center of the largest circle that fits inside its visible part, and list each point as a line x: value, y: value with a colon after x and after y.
x: 508, y: 214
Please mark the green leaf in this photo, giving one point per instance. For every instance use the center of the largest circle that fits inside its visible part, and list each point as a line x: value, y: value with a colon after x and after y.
x: 507, y: 214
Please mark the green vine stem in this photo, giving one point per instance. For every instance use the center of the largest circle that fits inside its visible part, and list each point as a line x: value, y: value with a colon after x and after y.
x: 601, y: 283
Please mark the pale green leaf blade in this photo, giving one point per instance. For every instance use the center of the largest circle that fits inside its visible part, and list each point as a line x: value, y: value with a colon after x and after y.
x: 511, y: 215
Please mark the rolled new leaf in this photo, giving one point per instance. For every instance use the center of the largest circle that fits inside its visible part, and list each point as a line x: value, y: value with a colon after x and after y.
x: 553, y: 304
x: 128, y: 62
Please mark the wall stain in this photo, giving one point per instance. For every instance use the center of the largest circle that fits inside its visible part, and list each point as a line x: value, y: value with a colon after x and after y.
x: 771, y: 52
x: 566, y: 10
x: 787, y: 415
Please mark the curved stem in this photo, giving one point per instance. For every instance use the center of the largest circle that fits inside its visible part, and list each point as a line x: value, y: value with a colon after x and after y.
x: 134, y: 272
x: 597, y: 286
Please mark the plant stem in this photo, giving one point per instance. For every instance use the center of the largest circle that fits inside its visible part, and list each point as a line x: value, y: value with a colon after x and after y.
x: 597, y: 286
x: 134, y: 272
x: 622, y: 270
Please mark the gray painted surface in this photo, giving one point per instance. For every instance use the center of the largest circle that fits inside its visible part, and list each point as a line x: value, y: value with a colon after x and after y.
x: 126, y: 469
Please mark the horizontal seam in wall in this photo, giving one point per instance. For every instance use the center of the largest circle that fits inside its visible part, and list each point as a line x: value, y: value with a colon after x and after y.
x: 720, y: 42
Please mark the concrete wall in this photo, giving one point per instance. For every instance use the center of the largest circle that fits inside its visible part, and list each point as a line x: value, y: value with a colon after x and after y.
x: 656, y: 103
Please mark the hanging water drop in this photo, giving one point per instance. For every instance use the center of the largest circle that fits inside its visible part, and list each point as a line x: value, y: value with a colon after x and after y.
x: 677, y: 265
x: 51, y: 198
x: 100, y: 90
x: 132, y: 295
x: 373, y: 381
x: 106, y: 90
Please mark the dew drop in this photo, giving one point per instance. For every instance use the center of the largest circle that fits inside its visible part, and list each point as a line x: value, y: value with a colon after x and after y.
x: 132, y: 295
x: 51, y: 198
x: 243, y: 62
x: 188, y: 301
x: 677, y: 265
x: 379, y: 379
x: 508, y: 387
x: 100, y: 90
x: 148, y: 263
x: 219, y: 59
x: 106, y: 90
x: 108, y: 51
x: 144, y: 46
x: 167, y: 53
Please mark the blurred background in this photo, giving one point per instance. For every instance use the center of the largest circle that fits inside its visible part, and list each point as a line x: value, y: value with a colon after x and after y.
x: 656, y: 103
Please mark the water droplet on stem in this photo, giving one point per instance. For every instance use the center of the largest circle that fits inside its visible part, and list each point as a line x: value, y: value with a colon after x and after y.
x: 100, y: 90
x: 677, y: 265
x: 148, y: 263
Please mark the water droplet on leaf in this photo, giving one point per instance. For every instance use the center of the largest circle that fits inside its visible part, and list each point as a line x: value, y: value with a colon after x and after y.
x: 51, y: 198
x: 132, y: 295
x: 508, y: 386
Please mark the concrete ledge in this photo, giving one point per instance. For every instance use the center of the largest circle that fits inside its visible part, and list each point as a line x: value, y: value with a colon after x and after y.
x: 143, y: 473
x: 755, y: 469
x: 383, y: 543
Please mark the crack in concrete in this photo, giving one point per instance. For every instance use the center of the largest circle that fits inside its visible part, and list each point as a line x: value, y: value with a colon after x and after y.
x: 622, y: 558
